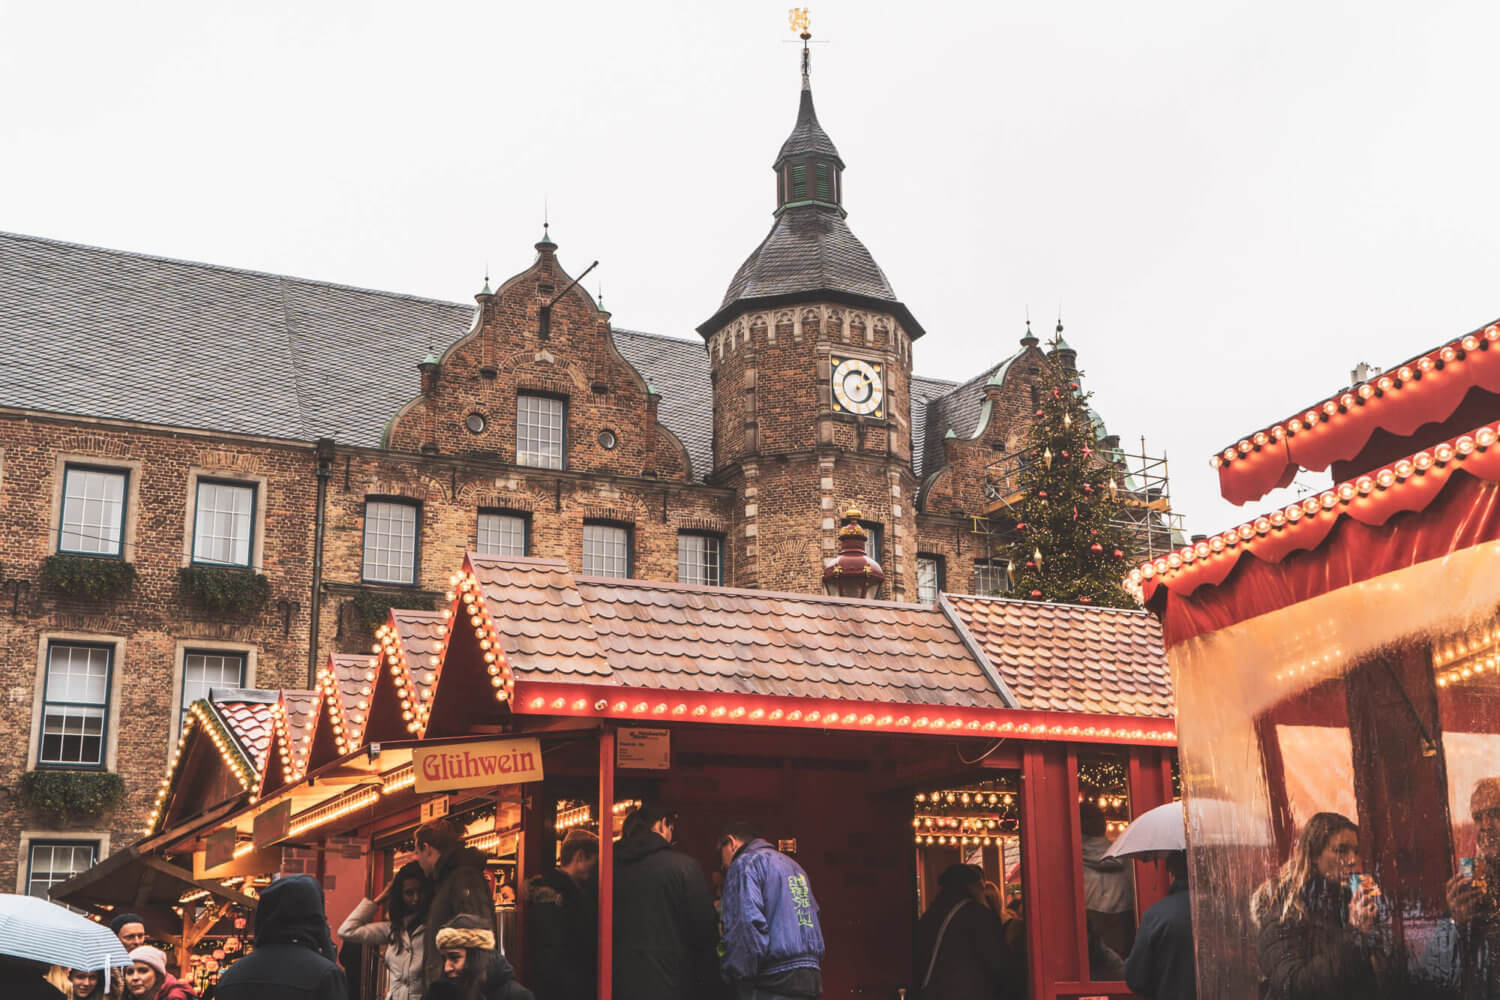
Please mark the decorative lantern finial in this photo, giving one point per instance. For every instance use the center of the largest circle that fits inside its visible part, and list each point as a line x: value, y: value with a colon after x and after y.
x: 852, y: 573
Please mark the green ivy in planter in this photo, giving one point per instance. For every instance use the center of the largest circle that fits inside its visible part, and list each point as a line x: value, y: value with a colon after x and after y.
x: 90, y: 577
x: 373, y: 609
x: 225, y: 589
x: 71, y: 795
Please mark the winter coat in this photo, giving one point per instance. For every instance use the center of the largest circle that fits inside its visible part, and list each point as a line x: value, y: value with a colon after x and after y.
x: 1107, y: 883
x: 22, y: 980
x: 499, y: 984
x: 665, y: 927
x: 1463, y: 962
x: 293, y: 957
x: 173, y: 988
x: 459, y: 886
x: 1317, y: 955
x: 562, y: 937
x: 769, y: 914
x: 973, y: 962
x: 405, y: 973
x: 1160, y: 966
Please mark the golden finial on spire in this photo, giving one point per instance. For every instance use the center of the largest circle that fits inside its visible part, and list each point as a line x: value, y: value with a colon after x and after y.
x: 800, y: 22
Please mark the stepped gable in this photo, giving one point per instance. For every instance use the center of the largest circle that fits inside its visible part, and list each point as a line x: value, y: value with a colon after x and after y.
x: 1068, y: 658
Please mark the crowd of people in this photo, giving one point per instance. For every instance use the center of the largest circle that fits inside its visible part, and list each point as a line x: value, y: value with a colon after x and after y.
x: 1322, y: 929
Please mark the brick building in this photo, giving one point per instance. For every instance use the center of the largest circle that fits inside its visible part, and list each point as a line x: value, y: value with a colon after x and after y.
x: 212, y: 477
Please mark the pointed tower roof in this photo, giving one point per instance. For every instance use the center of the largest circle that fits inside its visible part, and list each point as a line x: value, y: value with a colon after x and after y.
x: 810, y: 253
x: 807, y: 136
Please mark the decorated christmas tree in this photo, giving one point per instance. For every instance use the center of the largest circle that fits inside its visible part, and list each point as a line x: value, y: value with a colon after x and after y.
x: 1069, y: 547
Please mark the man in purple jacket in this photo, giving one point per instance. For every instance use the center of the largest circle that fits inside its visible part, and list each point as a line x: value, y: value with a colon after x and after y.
x: 772, y: 941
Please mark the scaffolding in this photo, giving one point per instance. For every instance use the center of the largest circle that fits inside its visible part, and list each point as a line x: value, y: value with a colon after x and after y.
x: 1138, y: 480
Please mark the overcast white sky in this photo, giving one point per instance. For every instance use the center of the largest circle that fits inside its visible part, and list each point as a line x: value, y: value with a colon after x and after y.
x: 1233, y: 202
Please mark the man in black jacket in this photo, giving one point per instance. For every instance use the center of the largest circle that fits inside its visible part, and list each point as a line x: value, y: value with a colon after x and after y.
x: 1160, y: 965
x: 458, y: 886
x: 665, y: 927
x: 562, y: 923
x: 293, y: 957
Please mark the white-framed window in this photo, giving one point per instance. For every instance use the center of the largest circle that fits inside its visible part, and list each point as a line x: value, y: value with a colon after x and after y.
x: 390, y: 542
x: 929, y: 578
x: 75, y: 705
x: 700, y: 559
x: 224, y: 523
x: 51, y: 862
x: 502, y: 533
x: 540, y: 431
x: 93, y: 511
x: 204, y: 669
x: 991, y: 577
x: 872, y: 539
x: 606, y: 549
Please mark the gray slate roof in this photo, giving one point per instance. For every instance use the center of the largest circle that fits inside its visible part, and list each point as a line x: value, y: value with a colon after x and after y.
x: 678, y: 369
x: 809, y: 249
x: 923, y: 392
x: 808, y: 137
x: 958, y: 408
x: 104, y: 333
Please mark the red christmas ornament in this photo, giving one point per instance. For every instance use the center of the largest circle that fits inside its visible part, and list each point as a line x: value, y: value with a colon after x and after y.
x: 1087, y: 488
x: 1093, y: 531
x: 1056, y: 393
x: 1096, y: 547
x: 1036, y: 593
x: 1021, y: 526
x: 1042, y: 494
x: 1083, y: 600
x: 1073, y: 386
x: 1039, y: 413
x: 1030, y: 564
x: 1119, y: 554
x: 1065, y: 454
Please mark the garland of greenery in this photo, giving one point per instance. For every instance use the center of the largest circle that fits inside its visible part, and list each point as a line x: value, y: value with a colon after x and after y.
x: 71, y: 795
x: 90, y: 577
x: 225, y: 589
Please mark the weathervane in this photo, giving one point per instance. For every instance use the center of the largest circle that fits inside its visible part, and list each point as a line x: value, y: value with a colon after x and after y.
x: 801, y: 23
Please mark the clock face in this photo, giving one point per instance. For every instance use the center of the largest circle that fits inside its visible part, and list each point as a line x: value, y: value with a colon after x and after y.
x: 858, y: 387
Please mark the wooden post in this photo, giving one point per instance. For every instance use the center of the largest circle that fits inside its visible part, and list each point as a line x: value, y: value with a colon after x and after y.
x: 606, y: 861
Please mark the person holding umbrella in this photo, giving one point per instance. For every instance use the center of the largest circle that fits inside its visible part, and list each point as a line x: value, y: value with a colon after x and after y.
x: 1160, y: 965
x: 37, y: 935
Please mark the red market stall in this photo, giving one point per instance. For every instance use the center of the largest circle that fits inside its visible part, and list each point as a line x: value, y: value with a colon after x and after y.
x: 879, y: 742
x: 1342, y: 653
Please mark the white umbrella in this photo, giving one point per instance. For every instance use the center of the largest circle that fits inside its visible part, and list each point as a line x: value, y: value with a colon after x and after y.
x: 1152, y: 832
x: 41, y: 931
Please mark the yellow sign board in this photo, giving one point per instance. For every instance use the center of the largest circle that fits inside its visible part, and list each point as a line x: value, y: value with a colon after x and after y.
x: 477, y: 765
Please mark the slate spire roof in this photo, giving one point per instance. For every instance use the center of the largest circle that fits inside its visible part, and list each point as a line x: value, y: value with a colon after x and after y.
x: 807, y: 136
x: 810, y: 253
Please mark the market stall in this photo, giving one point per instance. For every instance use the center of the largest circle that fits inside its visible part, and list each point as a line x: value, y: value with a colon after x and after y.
x: 537, y: 702
x: 1340, y: 655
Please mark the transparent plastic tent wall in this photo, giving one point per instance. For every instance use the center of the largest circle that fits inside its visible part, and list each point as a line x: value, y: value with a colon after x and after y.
x: 1379, y: 701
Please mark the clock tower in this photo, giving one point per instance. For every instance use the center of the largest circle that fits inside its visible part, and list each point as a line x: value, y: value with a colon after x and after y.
x: 810, y: 354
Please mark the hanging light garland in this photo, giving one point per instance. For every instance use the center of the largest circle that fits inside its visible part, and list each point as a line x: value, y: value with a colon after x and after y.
x: 1362, y: 395
x: 975, y: 816
x: 1329, y: 503
x: 1469, y: 657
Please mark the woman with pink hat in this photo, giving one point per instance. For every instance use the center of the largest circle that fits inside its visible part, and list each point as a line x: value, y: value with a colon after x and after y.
x: 148, y: 978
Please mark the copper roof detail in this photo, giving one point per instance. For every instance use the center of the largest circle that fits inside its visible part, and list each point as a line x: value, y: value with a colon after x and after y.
x: 1066, y: 658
